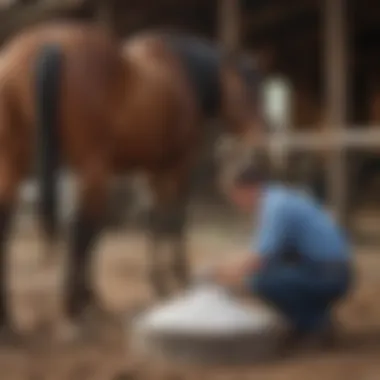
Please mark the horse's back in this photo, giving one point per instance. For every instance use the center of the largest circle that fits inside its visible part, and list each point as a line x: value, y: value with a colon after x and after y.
x: 92, y: 66
x: 200, y: 61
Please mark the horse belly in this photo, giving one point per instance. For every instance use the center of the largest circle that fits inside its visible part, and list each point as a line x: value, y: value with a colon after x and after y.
x: 151, y: 137
x: 158, y: 125
x: 139, y: 150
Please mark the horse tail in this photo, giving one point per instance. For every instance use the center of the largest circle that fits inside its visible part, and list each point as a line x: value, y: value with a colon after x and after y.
x: 48, y: 79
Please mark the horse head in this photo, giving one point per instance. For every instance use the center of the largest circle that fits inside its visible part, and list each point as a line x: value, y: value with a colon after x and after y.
x: 242, y: 113
x: 241, y: 81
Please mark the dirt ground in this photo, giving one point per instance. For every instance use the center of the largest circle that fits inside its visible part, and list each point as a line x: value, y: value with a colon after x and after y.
x: 120, y: 278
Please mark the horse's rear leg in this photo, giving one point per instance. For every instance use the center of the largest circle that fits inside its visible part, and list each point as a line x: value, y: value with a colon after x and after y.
x: 87, y: 225
x: 10, y: 176
x: 177, y: 228
x: 167, y: 225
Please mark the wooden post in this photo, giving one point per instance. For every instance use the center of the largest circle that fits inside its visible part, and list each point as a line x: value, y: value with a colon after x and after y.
x: 105, y: 14
x: 229, y: 24
x: 120, y: 193
x: 228, y: 33
x: 335, y: 55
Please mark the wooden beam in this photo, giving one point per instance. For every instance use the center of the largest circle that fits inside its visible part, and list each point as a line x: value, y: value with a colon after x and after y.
x: 105, y: 13
x: 229, y: 24
x: 335, y: 58
x: 364, y: 137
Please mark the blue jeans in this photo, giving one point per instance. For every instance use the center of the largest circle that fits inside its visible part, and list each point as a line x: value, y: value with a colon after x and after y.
x: 304, y: 294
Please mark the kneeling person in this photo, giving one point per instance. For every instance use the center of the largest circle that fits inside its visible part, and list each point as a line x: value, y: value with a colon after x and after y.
x: 300, y: 260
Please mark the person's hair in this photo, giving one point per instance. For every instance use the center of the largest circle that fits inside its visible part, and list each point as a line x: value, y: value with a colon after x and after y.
x: 258, y: 171
x: 249, y: 175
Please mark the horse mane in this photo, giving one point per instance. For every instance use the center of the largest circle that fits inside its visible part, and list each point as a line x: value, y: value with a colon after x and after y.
x: 244, y: 62
x: 179, y: 34
x: 244, y: 58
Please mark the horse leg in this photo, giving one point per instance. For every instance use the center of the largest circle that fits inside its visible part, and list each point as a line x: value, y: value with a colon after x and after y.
x: 14, y: 163
x: 167, y: 225
x: 86, y: 227
x: 9, y: 182
x: 156, y: 275
x: 177, y: 231
x: 180, y: 258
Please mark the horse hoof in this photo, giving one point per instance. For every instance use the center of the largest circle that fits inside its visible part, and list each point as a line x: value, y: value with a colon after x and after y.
x: 68, y: 332
x: 182, y: 277
x: 95, y: 314
x: 9, y: 337
x: 184, y: 282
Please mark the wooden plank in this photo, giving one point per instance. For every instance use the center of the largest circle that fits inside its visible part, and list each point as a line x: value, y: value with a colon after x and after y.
x: 328, y: 141
x: 105, y: 13
x: 335, y: 58
x: 229, y: 24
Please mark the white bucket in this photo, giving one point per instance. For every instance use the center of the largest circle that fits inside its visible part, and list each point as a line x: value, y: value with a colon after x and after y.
x: 207, y: 324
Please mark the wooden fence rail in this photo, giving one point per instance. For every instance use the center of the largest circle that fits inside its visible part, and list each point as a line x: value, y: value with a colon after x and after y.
x: 361, y: 138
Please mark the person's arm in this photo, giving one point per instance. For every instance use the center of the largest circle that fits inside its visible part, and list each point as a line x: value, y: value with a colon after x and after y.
x: 233, y: 273
x: 269, y: 241
x: 271, y: 233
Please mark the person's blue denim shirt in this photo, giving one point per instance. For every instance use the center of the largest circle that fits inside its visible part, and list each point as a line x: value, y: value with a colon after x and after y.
x: 289, y: 218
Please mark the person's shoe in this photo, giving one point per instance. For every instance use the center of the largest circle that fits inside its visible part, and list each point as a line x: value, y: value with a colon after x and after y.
x: 290, y: 342
x: 327, y: 335
x: 322, y: 338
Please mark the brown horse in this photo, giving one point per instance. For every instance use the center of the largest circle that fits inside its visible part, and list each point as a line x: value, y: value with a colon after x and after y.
x: 104, y: 112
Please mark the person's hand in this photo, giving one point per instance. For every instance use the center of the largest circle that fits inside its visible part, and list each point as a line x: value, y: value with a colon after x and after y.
x: 224, y: 275
x: 206, y: 274
x: 231, y: 276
